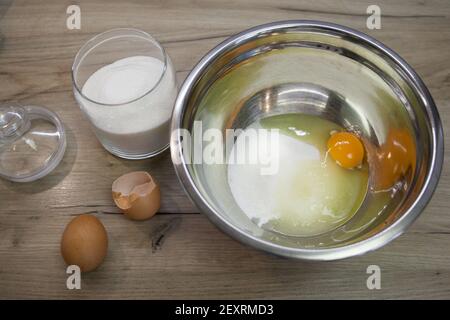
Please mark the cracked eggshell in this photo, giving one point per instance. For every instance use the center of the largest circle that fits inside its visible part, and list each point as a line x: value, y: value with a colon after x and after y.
x: 137, y: 195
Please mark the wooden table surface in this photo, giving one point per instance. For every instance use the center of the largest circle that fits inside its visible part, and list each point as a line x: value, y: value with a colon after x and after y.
x: 179, y: 253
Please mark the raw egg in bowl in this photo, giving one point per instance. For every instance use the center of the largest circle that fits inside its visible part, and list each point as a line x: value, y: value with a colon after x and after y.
x: 348, y: 140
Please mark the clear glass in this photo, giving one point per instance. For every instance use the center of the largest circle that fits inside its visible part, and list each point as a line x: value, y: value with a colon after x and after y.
x: 130, y: 123
x: 32, y: 142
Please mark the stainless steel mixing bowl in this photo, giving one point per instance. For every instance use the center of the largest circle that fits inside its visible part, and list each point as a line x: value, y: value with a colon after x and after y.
x: 327, y: 70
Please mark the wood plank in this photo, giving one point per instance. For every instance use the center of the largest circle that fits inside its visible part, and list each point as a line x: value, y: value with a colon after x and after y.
x: 188, y: 264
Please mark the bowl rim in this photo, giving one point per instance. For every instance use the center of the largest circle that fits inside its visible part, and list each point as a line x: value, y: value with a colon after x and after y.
x: 321, y: 254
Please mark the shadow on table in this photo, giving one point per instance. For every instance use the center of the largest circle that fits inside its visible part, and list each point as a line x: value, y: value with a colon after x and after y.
x: 4, y: 6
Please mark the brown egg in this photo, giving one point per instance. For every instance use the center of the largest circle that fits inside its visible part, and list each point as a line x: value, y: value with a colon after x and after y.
x: 84, y: 242
x: 137, y: 195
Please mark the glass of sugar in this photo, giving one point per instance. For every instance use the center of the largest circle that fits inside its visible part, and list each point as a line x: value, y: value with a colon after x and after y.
x: 125, y: 84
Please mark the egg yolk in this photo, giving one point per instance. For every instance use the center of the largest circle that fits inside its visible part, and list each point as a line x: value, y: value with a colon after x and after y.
x: 395, y: 157
x: 346, y: 149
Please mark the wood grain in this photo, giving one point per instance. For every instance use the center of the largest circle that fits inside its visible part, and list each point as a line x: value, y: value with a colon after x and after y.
x: 179, y: 253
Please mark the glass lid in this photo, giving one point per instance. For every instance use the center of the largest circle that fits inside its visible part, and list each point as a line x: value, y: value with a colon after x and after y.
x: 32, y: 142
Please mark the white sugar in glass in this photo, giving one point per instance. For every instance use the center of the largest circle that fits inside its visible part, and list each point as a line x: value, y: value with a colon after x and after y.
x: 125, y: 84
